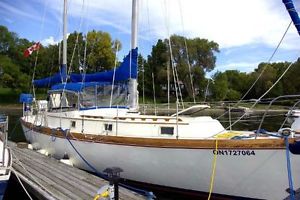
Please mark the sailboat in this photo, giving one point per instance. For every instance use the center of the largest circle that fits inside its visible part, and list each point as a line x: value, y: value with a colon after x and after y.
x: 5, y: 156
x: 81, y: 120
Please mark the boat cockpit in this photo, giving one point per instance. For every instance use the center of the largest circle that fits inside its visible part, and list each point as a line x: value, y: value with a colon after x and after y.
x: 84, y: 96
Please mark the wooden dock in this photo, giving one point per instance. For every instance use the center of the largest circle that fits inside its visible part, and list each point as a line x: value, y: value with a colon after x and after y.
x: 48, y: 178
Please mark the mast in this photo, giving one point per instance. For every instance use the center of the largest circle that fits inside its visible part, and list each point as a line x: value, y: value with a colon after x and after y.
x: 132, y: 84
x: 64, y: 61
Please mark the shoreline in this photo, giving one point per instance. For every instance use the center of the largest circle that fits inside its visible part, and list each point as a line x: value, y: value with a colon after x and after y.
x: 253, y: 110
x: 11, y: 106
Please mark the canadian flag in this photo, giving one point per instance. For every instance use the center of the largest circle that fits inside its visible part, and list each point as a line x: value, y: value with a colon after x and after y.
x: 34, y: 47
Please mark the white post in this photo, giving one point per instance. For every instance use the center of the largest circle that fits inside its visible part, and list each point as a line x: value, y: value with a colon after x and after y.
x: 132, y: 85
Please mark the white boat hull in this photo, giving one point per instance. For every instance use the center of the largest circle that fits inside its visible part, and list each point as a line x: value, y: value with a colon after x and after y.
x: 253, y: 173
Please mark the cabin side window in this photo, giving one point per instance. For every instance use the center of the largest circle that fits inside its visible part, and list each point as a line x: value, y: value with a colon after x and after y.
x: 167, y: 130
x: 108, y: 127
x: 73, y: 124
x: 59, y: 100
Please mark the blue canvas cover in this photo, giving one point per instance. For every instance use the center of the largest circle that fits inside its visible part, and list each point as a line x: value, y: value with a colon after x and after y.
x: 123, y: 72
x: 77, y: 87
x: 52, y: 80
x: 293, y: 13
x: 26, y: 98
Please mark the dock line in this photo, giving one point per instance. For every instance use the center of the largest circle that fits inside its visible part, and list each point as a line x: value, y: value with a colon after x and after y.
x: 212, y: 179
x: 148, y: 194
x: 16, y: 173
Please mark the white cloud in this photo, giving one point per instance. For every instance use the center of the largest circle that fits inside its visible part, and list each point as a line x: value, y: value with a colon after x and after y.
x: 241, y: 66
x: 49, y: 41
x: 230, y: 23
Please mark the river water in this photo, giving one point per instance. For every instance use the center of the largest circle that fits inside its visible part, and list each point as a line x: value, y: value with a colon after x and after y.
x: 251, y: 121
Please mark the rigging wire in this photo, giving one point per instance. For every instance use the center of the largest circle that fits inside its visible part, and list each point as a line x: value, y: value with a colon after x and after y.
x: 173, y: 64
x: 37, y: 53
x: 63, y: 95
x: 26, y: 170
x: 187, y: 52
x: 77, y: 36
x: 114, y: 74
x: 154, y: 98
x: 258, y: 100
x: 178, y: 81
x: 143, y: 77
x: 16, y: 174
x: 168, y: 78
x: 263, y: 70
x: 148, y: 23
x: 287, y: 116
x: 170, y: 50
x: 85, y: 50
x: 60, y: 42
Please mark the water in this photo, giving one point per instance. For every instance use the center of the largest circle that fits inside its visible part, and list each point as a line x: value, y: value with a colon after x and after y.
x: 15, y: 132
x: 251, y: 122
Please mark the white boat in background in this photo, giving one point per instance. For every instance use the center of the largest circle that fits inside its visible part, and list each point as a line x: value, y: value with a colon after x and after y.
x: 294, y: 113
x: 96, y: 122
x: 5, y: 156
x: 293, y: 118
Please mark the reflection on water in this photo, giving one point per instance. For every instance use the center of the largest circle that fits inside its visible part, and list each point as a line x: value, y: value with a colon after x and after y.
x: 14, y: 127
x: 251, y: 121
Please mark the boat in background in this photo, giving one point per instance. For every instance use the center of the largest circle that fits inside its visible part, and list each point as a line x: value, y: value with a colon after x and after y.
x: 5, y: 156
x: 95, y: 120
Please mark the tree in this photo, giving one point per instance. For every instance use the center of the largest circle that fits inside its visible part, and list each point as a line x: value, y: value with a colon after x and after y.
x: 220, y: 86
x: 101, y: 51
x: 11, y: 76
x: 7, y: 41
x: 267, y: 79
x: 201, y: 54
x: 157, y: 64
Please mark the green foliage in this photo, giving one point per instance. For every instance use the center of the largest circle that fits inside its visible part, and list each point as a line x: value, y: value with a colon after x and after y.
x: 8, y: 96
x: 101, y: 51
x: 7, y: 40
x: 11, y: 76
x: 16, y: 70
x: 190, y: 57
x: 220, y: 86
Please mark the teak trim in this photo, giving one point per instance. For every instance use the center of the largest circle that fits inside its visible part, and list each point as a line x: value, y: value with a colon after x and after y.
x: 162, y: 142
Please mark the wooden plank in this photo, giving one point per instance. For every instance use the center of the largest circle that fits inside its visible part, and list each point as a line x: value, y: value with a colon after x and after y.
x: 54, y: 179
x: 60, y: 169
x: 61, y: 184
x: 47, y: 187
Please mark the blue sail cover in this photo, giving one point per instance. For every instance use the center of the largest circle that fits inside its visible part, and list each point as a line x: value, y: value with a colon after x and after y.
x: 52, y: 80
x: 128, y: 69
x: 293, y: 13
x: 77, y: 87
x: 26, y: 98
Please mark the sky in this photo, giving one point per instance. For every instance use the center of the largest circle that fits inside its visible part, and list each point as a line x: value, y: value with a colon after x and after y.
x: 247, y: 31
